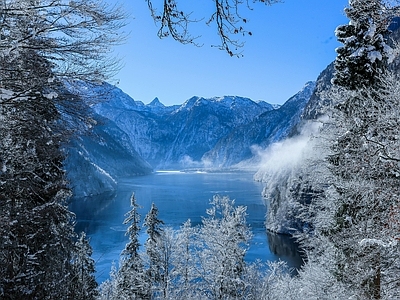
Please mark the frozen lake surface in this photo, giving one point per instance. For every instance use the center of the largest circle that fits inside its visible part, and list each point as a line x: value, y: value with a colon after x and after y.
x: 179, y: 196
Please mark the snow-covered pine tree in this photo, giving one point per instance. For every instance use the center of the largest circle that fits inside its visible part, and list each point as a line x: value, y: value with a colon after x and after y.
x: 364, y: 166
x: 182, y: 286
x: 365, y: 52
x: 153, y: 246
x: 84, y: 266
x: 221, y: 246
x: 108, y: 290
x: 36, y: 245
x: 131, y: 279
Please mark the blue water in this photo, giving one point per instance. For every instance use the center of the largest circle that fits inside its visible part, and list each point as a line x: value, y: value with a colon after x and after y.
x: 179, y: 196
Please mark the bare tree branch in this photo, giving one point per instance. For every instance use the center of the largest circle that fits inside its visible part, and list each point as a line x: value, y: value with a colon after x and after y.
x: 230, y: 24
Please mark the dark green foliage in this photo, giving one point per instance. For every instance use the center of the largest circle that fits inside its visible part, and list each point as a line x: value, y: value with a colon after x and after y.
x: 365, y: 52
x: 39, y: 48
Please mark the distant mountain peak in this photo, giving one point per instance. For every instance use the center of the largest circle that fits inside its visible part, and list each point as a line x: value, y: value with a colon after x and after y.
x: 156, y: 102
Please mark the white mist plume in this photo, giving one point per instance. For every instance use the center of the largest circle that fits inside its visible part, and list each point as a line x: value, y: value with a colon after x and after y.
x: 187, y: 162
x: 283, y: 158
x: 285, y: 166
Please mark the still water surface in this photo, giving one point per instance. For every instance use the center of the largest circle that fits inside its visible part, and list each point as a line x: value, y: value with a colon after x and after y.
x: 179, y: 196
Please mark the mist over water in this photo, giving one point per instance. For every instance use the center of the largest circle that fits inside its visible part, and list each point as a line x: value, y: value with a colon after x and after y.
x: 179, y: 196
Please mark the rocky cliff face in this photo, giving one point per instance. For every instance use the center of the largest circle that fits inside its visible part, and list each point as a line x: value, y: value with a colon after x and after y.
x: 95, y: 161
x: 216, y: 132
x: 179, y: 136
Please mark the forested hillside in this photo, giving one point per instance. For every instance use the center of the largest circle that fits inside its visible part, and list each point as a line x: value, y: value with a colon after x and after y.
x: 340, y: 195
x: 43, y: 43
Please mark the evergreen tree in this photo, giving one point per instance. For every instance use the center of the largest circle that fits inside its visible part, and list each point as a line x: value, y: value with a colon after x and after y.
x: 131, y: 280
x: 108, y: 290
x: 36, y: 247
x: 42, y: 43
x: 365, y: 52
x: 365, y: 190
x: 355, y: 228
x: 153, y: 248
x: 84, y: 266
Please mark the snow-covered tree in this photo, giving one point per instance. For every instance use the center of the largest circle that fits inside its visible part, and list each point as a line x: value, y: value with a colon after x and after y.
x: 42, y: 43
x: 366, y: 51
x: 168, y: 249
x: 222, y: 243
x: 131, y: 279
x: 155, y: 271
x: 364, y: 192
x: 183, y: 272
x: 108, y: 290
x: 355, y: 228
x: 84, y: 267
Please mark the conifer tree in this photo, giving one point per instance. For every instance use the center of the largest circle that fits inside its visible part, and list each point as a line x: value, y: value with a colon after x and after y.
x: 43, y: 42
x: 365, y: 53
x: 131, y: 281
x: 153, y: 248
x: 84, y: 266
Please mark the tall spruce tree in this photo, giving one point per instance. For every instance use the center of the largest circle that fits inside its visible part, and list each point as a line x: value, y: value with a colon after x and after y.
x: 131, y: 280
x: 365, y: 53
x: 153, y: 249
x: 84, y: 267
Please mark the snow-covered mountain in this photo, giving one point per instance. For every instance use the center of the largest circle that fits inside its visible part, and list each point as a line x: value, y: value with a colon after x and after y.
x: 287, y: 188
x: 262, y: 131
x: 179, y: 136
x: 134, y: 137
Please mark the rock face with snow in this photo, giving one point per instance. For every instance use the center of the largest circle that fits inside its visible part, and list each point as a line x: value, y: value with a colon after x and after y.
x: 94, y: 162
x: 262, y: 131
x: 216, y: 132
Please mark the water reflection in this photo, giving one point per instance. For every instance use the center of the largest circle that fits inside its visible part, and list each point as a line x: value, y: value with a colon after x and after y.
x: 286, y: 248
x: 88, y: 211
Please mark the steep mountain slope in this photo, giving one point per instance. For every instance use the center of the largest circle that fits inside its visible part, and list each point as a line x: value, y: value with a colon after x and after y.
x: 95, y: 161
x: 204, y: 122
x: 285, y: 192
x: 267, y: 128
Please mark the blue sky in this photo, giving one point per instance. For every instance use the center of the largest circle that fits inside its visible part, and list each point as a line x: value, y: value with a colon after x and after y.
x: 292, y: 43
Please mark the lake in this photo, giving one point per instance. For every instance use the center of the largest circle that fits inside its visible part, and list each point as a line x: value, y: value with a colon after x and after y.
x: 179, y: 196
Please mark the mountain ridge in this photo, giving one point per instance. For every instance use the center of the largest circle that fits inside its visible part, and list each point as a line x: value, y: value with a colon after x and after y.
x: 194, y: 134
